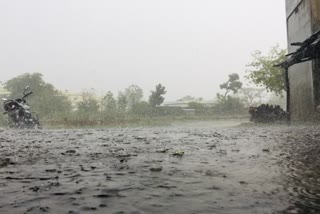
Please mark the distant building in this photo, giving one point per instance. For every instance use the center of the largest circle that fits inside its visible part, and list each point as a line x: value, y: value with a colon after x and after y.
x: 303, y: 19
x: 75, y: 98
x: 185, y: 104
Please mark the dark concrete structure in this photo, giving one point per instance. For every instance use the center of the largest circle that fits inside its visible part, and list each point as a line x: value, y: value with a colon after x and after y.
x: 303, y: 19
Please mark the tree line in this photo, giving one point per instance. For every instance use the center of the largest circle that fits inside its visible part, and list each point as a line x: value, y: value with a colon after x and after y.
x: 54, y: 105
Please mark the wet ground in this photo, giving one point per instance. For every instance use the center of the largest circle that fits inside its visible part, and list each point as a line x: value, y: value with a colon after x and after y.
x: 161, y: 170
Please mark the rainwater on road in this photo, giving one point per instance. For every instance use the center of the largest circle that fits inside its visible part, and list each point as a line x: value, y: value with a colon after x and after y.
x: 179, y: 169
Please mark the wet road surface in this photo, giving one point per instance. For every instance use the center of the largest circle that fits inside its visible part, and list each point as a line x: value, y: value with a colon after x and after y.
x: 161, y: 170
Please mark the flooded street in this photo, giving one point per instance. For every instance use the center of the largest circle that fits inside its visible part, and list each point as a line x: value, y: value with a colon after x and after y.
x: 161, y: 170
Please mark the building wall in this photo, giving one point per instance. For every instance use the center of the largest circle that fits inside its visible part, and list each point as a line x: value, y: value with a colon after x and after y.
x: 315, y: 13
x: 300, y: 27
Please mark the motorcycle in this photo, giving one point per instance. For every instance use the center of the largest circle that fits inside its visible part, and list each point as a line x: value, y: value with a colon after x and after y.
x: 19, y: 113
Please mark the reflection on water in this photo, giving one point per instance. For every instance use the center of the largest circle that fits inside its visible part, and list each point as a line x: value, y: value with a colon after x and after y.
x: 301, y: 168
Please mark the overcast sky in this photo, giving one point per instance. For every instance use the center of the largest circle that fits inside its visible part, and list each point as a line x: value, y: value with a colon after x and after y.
x: 190, y: 46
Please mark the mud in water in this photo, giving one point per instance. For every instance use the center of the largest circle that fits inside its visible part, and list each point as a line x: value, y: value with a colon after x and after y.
x: 161, y: 170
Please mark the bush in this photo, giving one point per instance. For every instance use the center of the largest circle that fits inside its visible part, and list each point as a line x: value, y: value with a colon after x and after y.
x: 229, y: 106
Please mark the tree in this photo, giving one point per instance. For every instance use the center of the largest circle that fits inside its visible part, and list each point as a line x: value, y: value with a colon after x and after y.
x: 198, y: 107
x: 142, y: 109
x: 122, y: 102
x: 263, y: 73
x: 133, y: 94
x: 88, y: 107
x: 252, y: 96
x: 109, y: 106
x: 229, y: 105
x: 109, y: 103
x: 233, y: 84
x: 46, y: 100
x: 156, y: 97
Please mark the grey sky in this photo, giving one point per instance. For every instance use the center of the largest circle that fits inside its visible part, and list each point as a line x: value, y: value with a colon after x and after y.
x: 190, y: 46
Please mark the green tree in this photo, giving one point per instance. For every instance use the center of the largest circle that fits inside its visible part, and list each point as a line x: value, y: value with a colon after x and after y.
x: 134, y: 95
x: 46, y: 100
x: 109, y: 106
x: 88, y: 108
x: 156, y: 98
x: 232, y: 85
x: 109, y: 103
x: 229, y: 105
x: 252, y: 96
x: 122, y: 102
x: 142, y: 109
x: 261, y: 70
x: 198, y: 107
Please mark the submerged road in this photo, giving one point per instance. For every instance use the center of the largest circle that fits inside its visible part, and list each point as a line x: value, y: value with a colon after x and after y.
x: 161, y: 170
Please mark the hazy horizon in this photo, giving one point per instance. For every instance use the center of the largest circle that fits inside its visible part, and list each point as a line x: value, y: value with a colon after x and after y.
x: 188, y: 46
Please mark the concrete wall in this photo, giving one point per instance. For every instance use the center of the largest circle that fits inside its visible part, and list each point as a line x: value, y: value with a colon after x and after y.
x: 315, y: 25
x: 291, y: 5
x: 315, y: 14
x: 299, y: 24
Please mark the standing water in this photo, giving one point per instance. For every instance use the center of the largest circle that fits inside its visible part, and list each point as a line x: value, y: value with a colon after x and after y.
x: 161, y: 170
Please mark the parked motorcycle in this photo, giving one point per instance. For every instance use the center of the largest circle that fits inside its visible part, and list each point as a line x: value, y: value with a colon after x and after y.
x: 19, y: 112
